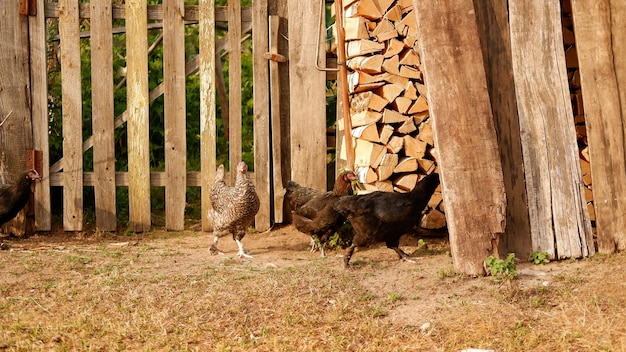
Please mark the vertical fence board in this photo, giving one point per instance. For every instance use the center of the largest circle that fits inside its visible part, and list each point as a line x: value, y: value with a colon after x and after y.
x: 208, y: 134
x: 15, y: 132
x: 307, y: 97
x: 103, y: 114
x: 261, y: 112
x: 234, y: 85
x: 175, y: 113
x: 465, y: 135
x: 599, y: 47
x: 138, y: 115
x: 276, y: 123
x: 493, y: 25
x: 72, y: 116
x: 39, y: 113
x: 556, y: 203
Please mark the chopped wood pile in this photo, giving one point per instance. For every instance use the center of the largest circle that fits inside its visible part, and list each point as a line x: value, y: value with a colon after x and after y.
x: 573, y: 74
x: 393, y: 137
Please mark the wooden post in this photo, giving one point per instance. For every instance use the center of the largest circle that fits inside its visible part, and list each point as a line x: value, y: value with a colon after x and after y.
x: 601, y: 47
x: 559, y: 220
x: 261, y: 80
x: 493, y: 26
x: 138, y: 115
x: 16, y: 131
x: 175, y: 113
x: 464, y: 130
x: 72, y: 116
x: 234, y: 86
x: 39, y: 88
x: 102, y: 114
x: 208, y: 135
x: 307, y: 98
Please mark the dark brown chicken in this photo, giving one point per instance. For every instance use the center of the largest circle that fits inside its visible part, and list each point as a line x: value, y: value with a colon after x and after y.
x: 385, y: 216
x: 312, y: 210
x: 13, y: 196
x: 232, y: 208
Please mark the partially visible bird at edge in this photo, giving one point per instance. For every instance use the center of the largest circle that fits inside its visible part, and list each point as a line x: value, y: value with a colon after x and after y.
x: 312, y: 210
x: 232, y: 208
x: 14, y: 195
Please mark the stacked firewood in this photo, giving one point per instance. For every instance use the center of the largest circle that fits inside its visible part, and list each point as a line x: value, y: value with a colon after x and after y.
x: 391, y: 125
x: 573, y: 74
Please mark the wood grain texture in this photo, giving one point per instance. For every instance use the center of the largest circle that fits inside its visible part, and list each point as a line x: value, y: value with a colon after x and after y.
x: 276, y: 123
x: 493, y: 26
x: 234, y: 86
x: 175, y: 113
x: 208, y: 134
x: 465, y: 136
x: 39, y: 113
x: 16, y: 131
x: 261, y: 93
x: 103, y: 114
x: 72, y: 116
x: 559, y: 220
x: 601, y: 47
x: 138, y: 116
x: 307, y: 97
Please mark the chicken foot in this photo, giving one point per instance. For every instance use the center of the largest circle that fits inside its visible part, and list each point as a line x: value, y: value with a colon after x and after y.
x: 403, y: 255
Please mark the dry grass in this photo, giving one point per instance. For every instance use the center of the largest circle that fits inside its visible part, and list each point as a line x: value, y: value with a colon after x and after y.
x: 162, y: 291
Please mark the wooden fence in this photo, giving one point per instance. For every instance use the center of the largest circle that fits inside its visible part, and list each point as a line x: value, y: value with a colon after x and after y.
x: 172, y: 17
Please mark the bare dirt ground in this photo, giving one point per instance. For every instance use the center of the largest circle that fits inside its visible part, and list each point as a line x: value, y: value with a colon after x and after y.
x: 163, y: 291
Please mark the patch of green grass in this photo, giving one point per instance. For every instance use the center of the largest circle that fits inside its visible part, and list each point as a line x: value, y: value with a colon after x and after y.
x: 502, y: 269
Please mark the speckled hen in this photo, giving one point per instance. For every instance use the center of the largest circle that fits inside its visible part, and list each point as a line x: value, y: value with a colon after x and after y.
x: 232, y: 208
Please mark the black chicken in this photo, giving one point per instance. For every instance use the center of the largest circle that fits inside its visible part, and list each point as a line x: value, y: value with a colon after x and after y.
x: 232, y: 208
x: 313, y: 212
x: 385, y: 216
x: 13, y: 196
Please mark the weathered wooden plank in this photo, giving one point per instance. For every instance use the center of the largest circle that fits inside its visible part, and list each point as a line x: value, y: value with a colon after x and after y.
x: 493, y: 26
x: 465, y: 135
x: 276, y: 141
x: 554, y: 184
x: 234, y: 85
x: 39, y: 113
x: 72, y: 116
x: 261, y: 94
x: 598, y: 26
x: 138, y: 116
x: 307, y: 97
x: 102, y: 114
x: 15, y: 130
x: 175, y: 113
x: 208, y: 134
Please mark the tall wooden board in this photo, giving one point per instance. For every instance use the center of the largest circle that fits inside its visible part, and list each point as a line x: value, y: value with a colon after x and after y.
x: 72, y: 116
x: 261, y: 112
x: 103, y: 114
x: 16, y: 131
x: 175, y: 113
x: 39, y: 112
x: 559, y: 220
x: 138, y: 115
x: 234, y: 86
x: 601, y: 46
x: 493, y: 26
x: 465, y: 135
x: 208, y: 134
x: 307, y: 97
